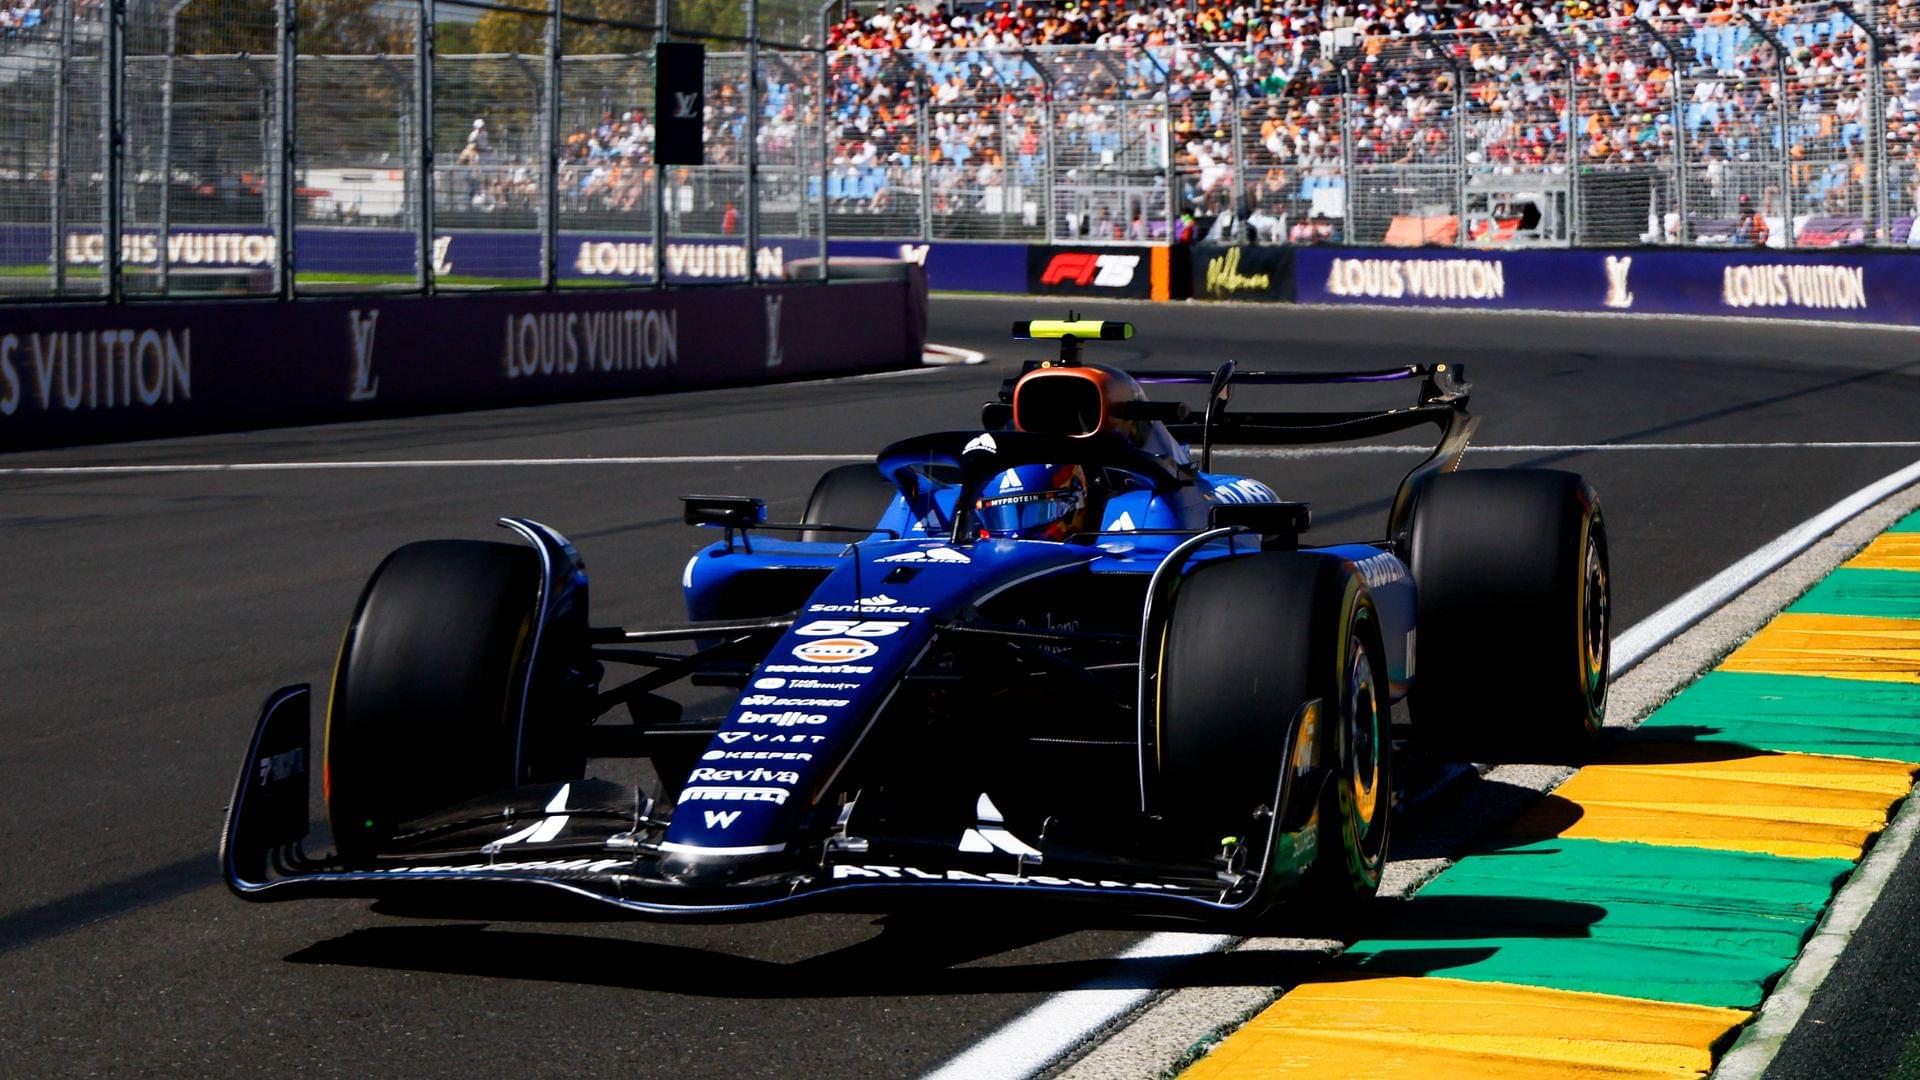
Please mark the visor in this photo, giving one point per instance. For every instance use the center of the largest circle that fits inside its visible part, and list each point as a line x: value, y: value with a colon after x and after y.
x: 1013, y: 515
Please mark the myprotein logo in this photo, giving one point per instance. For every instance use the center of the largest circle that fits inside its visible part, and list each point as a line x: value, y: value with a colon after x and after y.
x: 1090, y: 268
x: 360, y: 327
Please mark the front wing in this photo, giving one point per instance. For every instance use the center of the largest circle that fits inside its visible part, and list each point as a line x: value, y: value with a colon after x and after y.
x: 598, y: 842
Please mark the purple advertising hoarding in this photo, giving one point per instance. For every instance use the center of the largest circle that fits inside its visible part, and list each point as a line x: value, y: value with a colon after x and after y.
x: 74, y: 373
x: 1881, y: 287
x: 501, y: 253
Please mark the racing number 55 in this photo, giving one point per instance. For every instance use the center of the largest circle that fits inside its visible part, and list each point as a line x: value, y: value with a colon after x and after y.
x: 850, y: 628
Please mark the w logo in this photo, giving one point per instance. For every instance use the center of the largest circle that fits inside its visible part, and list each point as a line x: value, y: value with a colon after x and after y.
x: 722, y: 819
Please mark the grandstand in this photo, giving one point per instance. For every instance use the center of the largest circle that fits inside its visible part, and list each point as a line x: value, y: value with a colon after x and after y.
x: 1386, y: 122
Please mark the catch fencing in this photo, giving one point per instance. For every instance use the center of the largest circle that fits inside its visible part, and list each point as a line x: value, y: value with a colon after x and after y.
x: 179, y: 147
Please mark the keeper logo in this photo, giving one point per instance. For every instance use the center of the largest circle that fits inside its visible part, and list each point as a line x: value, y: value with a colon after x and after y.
x: 1090, y: 268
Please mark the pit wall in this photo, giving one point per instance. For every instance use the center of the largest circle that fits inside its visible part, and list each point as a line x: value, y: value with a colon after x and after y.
x: 82, y: 372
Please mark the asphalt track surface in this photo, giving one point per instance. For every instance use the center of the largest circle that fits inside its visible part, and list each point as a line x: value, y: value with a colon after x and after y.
x: 144, y: 617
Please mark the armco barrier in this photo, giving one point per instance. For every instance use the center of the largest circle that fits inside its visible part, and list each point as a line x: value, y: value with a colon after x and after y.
x: 73, y: 373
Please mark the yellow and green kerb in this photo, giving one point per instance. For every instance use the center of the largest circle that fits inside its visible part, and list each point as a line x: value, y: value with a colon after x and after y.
x: 1630, y: 923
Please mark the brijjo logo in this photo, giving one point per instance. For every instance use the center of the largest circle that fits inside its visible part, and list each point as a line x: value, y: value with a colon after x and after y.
x: 835, y: 650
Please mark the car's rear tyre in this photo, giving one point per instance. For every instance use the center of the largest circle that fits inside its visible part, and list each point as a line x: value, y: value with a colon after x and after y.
x: 1249, y: 641
x: 427, y: 691
x: 849, y: 495
x: 1514, y: 603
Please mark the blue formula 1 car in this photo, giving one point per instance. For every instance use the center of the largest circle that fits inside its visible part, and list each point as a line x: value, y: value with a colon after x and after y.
x: 1053, y: 655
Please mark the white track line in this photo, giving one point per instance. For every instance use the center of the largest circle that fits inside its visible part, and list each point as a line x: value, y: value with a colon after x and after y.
x: 749, y: 459
x: 1065, y: 1021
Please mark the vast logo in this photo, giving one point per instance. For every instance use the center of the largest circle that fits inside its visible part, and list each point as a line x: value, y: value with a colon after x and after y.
x: 1090, y: 268
x: 835, y: 650
x: 366, y: 385
x: 1618, y: 295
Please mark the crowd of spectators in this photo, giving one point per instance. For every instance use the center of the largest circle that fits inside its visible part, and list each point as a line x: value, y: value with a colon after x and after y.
x: 1270, y: 108
x: 20, y: 17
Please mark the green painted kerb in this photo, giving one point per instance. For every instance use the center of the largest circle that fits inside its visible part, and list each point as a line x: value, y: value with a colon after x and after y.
x: 1666, y: 923
x: 1801, y: 713
x: 1885, y: 594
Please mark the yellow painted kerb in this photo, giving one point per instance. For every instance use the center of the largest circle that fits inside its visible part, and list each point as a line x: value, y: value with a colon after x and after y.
x: 1889, y: 551
x: 1838, y: 646
x: 1795, y: 805
x: 1431, y: 1027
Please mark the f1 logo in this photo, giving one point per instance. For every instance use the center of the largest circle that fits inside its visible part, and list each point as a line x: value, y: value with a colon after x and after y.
x: 1090, y: 268
x: 366, y: 385
x: 686, y: 106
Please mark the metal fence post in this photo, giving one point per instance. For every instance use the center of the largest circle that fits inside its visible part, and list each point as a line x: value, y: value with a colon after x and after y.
x: 660, y: 9
x: 113, y: 147
x: 1166, y: 131
x: 289, y: 38
x: 423, y: 191
x: 1573, y: 132
x: 60, y: 122
x: 1346, y: 153
x: 751, y: 216
x: 1233, y: 131
x: 1677, y: 104
x: 550, y: 161
x: 925, y: 151
x: 166, y: 144
x: 1046, y: 129
x: 1780, y: 118
x: 826, y: 135
x: 1459, y: 140
x: 1874, y: 146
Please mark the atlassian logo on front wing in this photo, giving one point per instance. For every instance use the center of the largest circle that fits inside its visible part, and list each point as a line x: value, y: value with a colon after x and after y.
x: 930, y: 555
x: 835, y: 650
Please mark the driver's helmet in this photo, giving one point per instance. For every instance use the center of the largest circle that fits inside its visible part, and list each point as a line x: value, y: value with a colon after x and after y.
x: 1033, y: 502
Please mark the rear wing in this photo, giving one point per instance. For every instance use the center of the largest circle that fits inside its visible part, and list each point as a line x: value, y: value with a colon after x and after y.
x: 1441, y: 401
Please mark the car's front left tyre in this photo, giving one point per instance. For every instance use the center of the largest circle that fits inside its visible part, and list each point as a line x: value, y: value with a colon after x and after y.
x: 428, y: 688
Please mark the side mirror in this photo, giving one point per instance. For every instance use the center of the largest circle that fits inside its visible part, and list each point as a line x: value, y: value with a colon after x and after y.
x: 724, y: 511
x: 1279, y: 524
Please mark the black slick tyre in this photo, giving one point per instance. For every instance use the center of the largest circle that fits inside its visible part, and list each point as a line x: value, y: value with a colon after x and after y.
x: 1513, y: 645
x: 425, y: 711
x: 1248, y: 643
x: 849, y: 495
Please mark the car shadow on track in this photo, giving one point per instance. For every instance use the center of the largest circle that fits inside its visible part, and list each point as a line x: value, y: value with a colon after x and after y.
x: 911, y: 956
